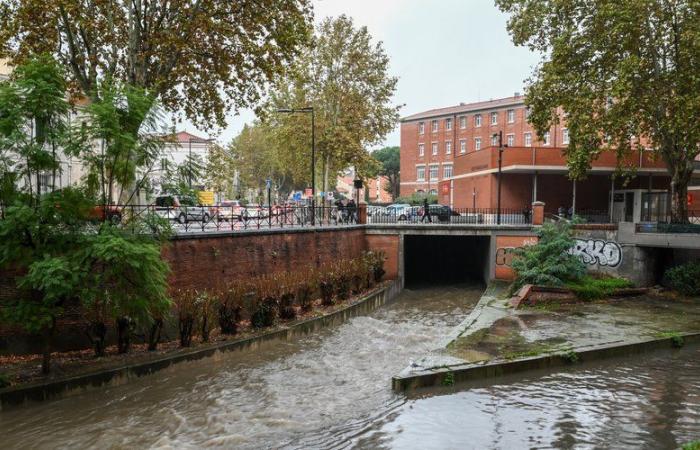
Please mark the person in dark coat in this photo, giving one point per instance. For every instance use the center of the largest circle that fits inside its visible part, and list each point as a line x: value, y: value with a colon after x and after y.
x: 426, y: 211
x: 352, y: 209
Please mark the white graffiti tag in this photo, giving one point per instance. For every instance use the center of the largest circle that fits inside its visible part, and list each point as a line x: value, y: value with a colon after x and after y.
x: 593, y: 251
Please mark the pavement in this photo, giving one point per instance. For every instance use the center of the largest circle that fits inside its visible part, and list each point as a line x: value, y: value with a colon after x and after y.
x: 495, y: 332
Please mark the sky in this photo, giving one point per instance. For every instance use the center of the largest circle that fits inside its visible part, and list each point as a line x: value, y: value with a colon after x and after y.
x: 443, y: 52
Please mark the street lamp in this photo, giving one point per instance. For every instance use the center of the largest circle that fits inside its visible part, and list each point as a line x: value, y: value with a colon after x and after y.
x: 308, y: 109
x: 501, y: 147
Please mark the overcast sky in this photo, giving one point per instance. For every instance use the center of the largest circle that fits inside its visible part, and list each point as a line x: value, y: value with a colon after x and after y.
x: 443, y: 52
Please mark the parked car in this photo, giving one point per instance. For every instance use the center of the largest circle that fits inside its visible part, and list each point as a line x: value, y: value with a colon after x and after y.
x: 112, y: 213
x: 254, y: 211
x: 182, y: 209
x: 443, y: 213
x: 400, y: 211
x: 374, y: 210
x: 228, y: 210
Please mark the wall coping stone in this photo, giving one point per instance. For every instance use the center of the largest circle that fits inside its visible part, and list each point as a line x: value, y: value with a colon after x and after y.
x: 262, y: 231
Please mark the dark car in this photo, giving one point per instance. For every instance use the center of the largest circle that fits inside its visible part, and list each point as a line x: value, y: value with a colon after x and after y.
x: 442, y: 212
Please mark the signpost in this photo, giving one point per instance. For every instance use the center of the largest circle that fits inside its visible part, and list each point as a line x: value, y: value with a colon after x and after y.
x: 268, y: 182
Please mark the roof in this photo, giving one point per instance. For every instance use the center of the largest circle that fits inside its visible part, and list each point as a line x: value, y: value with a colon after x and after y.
x: 467, y: 107
x: 185, y: 137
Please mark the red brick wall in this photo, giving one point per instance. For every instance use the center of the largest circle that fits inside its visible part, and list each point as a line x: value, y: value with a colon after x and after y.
x: 389, y: 244
x: 210, y: 261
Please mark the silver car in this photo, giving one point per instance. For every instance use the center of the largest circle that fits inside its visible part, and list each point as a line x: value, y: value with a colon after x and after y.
x: 182, y: 209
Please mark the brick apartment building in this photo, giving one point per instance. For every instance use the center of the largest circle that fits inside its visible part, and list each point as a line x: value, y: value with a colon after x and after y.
x: 453, y: 152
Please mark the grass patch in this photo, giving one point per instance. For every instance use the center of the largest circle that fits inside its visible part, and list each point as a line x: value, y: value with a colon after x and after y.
x: 676, y: 339
x: 448, y: 379
x: 694, y: 445
x: 589, y: 288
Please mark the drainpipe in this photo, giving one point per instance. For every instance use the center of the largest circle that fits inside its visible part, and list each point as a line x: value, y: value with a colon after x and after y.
x: 534, y: 187
x: 573, y: 201
x: 612, y: 195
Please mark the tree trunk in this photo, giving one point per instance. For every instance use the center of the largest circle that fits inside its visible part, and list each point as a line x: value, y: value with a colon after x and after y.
x: 680, y: 177
x: 123, y: 334
x: 46, y: 347
x: 97, y: 333
x: 154, y: 334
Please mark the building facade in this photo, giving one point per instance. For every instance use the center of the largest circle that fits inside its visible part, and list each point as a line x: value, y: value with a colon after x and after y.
x: 454, y: 153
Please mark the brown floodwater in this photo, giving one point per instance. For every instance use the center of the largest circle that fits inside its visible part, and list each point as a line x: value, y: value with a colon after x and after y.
x: 332, y: 390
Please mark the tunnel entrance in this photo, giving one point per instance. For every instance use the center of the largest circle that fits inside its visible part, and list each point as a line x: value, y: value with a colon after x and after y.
x: 430, y: 260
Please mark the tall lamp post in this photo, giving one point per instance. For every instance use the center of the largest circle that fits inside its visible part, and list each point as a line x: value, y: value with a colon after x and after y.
x: 308, y: 109
x: 501, y: 147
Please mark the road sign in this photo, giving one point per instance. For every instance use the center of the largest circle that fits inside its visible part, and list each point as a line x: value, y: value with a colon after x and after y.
x: 268, y: 183
x: 297, y: 196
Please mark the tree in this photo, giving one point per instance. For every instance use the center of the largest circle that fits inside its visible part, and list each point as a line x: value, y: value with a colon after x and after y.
x: 548, y: 262
x: 202, y: 57
x: 389, y: 158
x: 33, y: 127
x: 624, y: 72
x: 344, y: 77
x: 220, y: 171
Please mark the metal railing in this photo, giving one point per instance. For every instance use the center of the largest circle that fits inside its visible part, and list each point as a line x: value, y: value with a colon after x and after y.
x: 665, y: 224
x: 447, y: 215
x: 188, y: 219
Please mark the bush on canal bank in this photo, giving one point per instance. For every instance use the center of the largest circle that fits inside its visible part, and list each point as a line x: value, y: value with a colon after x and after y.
x: 685, y: 278
x: 548, y: 262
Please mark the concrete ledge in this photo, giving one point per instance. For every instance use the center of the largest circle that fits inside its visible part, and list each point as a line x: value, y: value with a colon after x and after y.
x: 21, y: 395
x: 469, y: 372
x: 263, y: 231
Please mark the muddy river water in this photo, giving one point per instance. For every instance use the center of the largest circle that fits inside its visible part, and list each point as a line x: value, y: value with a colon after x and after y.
x: 332, y: 390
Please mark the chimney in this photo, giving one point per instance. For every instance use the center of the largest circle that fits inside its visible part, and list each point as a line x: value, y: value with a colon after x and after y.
x: 462, y: 103
x: 516, y: 95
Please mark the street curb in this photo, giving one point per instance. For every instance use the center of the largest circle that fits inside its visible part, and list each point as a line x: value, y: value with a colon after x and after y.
x: 460, y: 373
x: 15, y: 397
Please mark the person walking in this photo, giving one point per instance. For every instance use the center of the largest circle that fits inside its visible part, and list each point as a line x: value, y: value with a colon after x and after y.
x: 426, y: 211
x: 352, y: 209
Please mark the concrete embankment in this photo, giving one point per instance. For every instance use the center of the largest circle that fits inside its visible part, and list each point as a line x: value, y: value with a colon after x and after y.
x: 497, y: 340
x: 59, y: 388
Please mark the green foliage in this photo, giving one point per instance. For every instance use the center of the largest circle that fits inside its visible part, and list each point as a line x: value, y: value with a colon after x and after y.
x: 693, y: 445
x: 448, y: 379
x: 570, y: 356
x: 389, y: 158
x: 625, y: 73
x: 548, y: 262
x: 590, y: 288
x: 685, y: 278
x: 33, y: 126
x: 345, y: 77
x: 677, y: 340
x: 416, y: 199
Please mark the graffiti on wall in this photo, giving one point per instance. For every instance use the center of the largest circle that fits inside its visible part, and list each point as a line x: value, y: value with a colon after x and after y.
x: 596, y: 251
x: 505, y: 245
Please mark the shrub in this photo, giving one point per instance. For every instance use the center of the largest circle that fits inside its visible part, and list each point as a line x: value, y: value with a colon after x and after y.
x: 229, y: 308
x: 326, y: 285
x: 287, y: 284
x: 693, y: 445
x: 305, y: 283
x: 186, y: 306
x: 266, y: 303
x: 205, y: 305
x: 589, y: 288
x: 685, y: 278
x: 375, y: 264
x: 548, y: 262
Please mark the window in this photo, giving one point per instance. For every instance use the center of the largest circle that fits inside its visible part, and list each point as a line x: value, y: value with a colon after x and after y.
x: 494, y: 118
x: 435, y: 126
x: 420, y: 173
x: 565, y: 136
x: 462, y: 146
x: 528, y: 139
x: 527, y: 113
x: 447, y: 171
x: 477, y: 143
x: 433, y: 192
x: 421, y: 149
x: 477, y: 120
x: 435, y: 148
x: 494, y: 140
x: 448, y: 124
x: 545, y: 138
x: 463, y: 122
x: 434, y: 172
x: 510, y: 140
x: 511, y: 116
x: 421, y: 127
x: 448, y: 147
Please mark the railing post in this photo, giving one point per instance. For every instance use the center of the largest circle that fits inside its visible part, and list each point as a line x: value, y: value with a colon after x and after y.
x: 537, y: 213
x: 362, y: 213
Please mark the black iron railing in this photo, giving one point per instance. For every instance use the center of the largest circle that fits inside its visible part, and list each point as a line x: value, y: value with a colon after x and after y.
x: 446, y: 215
x: 666, y: 224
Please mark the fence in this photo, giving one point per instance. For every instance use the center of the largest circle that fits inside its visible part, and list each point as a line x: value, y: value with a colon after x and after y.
x: 446, y: 215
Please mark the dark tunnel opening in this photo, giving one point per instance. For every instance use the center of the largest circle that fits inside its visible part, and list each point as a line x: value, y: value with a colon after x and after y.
x: 431, y: 260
